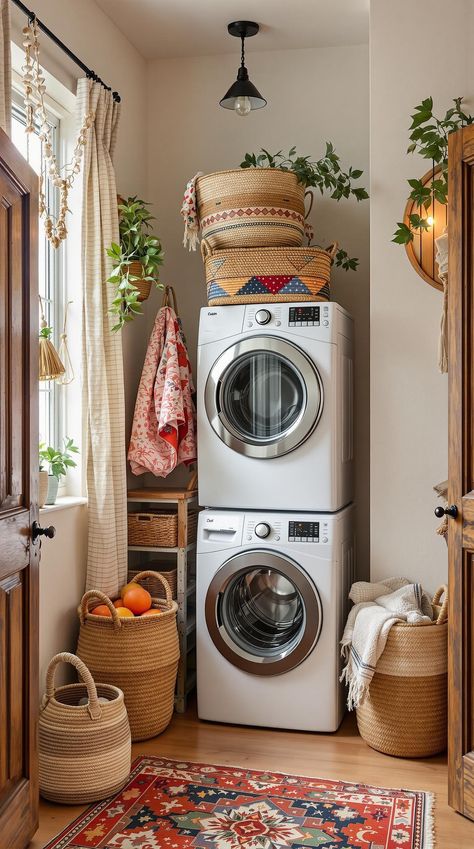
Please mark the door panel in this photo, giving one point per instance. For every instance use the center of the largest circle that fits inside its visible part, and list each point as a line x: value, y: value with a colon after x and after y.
x: 19, y: 558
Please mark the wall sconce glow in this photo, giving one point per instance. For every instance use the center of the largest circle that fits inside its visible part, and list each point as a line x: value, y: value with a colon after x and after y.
x: 430, y: 220
x: 242, y: 96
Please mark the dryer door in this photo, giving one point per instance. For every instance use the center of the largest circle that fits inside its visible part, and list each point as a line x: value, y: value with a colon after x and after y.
x: 263, y: 612
x: 263, y: 397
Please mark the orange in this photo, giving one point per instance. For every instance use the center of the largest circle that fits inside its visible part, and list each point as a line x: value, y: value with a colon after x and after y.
x: 126, y: 587
x: 136, y: 599
x: 124, y: 612
x: 101, y: 610
x: 118, y: 602
x: 152, y: 612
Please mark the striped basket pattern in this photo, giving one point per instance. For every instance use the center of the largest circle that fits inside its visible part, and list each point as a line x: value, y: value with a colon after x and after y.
x: 250, y: 275
x: 406, y: 711
x: 251, y: 207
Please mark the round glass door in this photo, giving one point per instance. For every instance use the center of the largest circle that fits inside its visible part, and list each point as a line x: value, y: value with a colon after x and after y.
x: 263, y: 397
x: 263, y: 613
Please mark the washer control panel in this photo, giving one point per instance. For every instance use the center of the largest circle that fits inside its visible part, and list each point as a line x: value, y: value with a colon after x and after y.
x: 311, y: 532
x: 262, y: 529
x: 270, y: 529
x: 286, y: 317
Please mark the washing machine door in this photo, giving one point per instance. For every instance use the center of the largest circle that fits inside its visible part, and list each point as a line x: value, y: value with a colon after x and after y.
x: 263, y: 397
x: 263, y: 612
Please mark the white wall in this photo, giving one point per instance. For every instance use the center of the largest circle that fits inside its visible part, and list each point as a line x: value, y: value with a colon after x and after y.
x: 417, y: 49
x: 313, y: 95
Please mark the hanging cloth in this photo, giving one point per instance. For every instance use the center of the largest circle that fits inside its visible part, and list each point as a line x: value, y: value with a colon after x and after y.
x: 164, y: 423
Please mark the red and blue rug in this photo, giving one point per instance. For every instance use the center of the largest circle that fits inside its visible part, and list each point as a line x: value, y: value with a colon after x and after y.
x: 175, y: 805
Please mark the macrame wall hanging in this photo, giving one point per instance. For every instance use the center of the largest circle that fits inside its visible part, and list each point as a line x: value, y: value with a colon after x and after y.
x: 63, y: 178
x: 50, y: 365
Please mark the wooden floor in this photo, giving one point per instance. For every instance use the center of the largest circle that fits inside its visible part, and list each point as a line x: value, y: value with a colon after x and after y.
x: 339, y: 756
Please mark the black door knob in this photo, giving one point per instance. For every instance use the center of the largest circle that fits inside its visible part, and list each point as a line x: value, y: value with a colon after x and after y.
x: 38, y: 531
x: 446, y: 511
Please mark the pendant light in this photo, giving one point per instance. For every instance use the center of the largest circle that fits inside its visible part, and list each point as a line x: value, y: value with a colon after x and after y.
x: 242, y: 96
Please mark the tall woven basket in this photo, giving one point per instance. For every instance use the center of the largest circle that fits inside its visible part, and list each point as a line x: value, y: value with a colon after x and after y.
x: 84, y: 750
x: 250, y: 275
x: 246, y: 207
x: 405, y: 713
x: 138, y: 655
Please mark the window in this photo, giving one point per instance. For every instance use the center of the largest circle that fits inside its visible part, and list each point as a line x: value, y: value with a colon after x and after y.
x: 50, y: 268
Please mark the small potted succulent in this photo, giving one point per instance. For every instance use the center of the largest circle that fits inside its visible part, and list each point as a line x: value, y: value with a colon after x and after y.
x: 135, y: 261
x: 57, y: 463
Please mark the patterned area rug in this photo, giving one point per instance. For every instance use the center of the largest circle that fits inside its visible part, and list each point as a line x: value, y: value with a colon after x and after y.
x: 174, y: 805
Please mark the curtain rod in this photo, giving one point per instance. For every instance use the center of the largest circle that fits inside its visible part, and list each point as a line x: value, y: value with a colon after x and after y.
x: 90, y: 74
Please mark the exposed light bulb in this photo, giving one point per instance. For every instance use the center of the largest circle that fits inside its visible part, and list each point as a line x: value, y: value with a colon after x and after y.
x: 242, y: 105
x: 430, y: 220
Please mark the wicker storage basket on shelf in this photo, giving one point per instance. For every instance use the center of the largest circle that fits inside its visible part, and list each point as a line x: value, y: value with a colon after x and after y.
x: 84, y: 750
x: 251, y: 275
x: 139, y: 655
x: 152, y: 584
x: 158, y: 529
x: 251, y: 206
x: 405, y: 713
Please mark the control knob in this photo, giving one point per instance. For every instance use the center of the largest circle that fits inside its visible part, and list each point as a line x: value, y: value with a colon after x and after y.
x: 263, y: 316
x: 262, y: 530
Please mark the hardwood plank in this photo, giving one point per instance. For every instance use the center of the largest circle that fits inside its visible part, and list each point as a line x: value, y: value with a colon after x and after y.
x: 16, y: 707
x: 3, y: 692
x: 468, y: 762
x: 163, y: 493
x: 343, y: 755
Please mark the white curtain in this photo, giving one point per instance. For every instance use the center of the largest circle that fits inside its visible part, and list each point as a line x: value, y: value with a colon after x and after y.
x: 103, y: 390
x: 5, y: 67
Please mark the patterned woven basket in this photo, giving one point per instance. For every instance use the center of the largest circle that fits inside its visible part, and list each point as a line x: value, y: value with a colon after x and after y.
x: 250, y: 275
x: 158, y: 529
x: 247, y: 207
x: 405, y: 713
x: 138, y: 655
x: 151, y: 584
x: 144, y: 286
x: 84, y: 750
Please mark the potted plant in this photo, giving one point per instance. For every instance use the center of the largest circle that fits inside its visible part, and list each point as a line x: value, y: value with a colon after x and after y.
x: 324, y: 174
x: 58, y: 462
x: 135, y: 261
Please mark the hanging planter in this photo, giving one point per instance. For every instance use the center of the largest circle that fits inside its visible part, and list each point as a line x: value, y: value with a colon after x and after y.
x: 50, y: 365
x: 137, y: 275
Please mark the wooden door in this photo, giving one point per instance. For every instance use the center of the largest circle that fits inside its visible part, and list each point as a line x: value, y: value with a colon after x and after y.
x: 19, y: 557
x: 461, y: 471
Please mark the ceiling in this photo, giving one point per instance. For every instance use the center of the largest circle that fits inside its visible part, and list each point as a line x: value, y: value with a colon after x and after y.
x: 176, y: 28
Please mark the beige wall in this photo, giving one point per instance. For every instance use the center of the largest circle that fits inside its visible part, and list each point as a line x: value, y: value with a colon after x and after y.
x: 313, y: 95
x: 417, y: 49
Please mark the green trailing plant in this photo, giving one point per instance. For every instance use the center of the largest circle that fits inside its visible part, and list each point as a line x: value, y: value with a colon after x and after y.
x: 57, y: 460
x: 137, y: 244
x: 429, y: 138
x: 324, y: 174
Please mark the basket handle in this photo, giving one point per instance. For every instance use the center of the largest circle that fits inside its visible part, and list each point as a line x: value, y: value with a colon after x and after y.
x: 83, y: 672
x: 86, y: 598
x: 161, y: 579
x: 443, y: 613
x: 206, y: 249
x: 332, y: 250
x: 310, y: 194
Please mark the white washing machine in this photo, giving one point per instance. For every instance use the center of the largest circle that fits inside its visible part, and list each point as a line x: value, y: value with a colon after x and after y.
x: 271, y: 603
x: 274, y: 407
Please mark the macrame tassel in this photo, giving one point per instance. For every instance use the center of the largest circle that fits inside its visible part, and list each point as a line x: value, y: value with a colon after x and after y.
x: 443, y: 333
x: 68, y: 375
x: 190, y: 215
x: 50, y: 365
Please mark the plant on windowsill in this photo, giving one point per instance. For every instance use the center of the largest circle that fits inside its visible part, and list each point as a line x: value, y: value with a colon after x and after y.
x: 58, y: 462
x: 324, y: 174
x: 135, y: 261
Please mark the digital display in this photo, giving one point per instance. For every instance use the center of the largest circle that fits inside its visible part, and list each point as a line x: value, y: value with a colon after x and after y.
x: 303, y: 531
x: 304, y: 315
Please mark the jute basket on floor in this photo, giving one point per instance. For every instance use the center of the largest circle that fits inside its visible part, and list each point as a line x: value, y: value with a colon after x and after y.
x: 139, y: 655
x: 251, y: 275
x: 84, y: 750
x: 251, y: 206
x: 405, y: 713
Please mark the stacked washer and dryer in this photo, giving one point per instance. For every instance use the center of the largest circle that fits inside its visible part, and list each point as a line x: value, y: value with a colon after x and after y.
x: 276, y: 553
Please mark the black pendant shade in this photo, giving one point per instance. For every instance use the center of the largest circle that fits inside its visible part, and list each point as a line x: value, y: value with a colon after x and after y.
x: 243, y: 96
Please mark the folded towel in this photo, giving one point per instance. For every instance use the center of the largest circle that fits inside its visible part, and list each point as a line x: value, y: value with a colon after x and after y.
x: 377, y: 607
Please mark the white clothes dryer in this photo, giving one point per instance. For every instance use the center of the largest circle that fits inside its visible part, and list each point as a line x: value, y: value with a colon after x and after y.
x: 274, y: 407
x: 271, y: 605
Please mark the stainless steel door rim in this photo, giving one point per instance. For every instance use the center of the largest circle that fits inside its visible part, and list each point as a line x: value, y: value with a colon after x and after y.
x: 307, y: 385
x: 287, y: 585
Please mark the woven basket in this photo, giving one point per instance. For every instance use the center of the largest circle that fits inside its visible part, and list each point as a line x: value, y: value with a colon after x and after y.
x: 139, y: 655
x: 247, y: 207
x: 152, y: 584
x: 405, y: 713
x: 84, y: 750
x: 250, y: 275
x: 144, y: 286
x: 158, y: 529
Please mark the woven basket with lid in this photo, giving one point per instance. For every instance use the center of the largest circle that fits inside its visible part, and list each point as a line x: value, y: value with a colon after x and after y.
x: 405, y: 713
x: 84, y: 750
x: 139, y: 655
